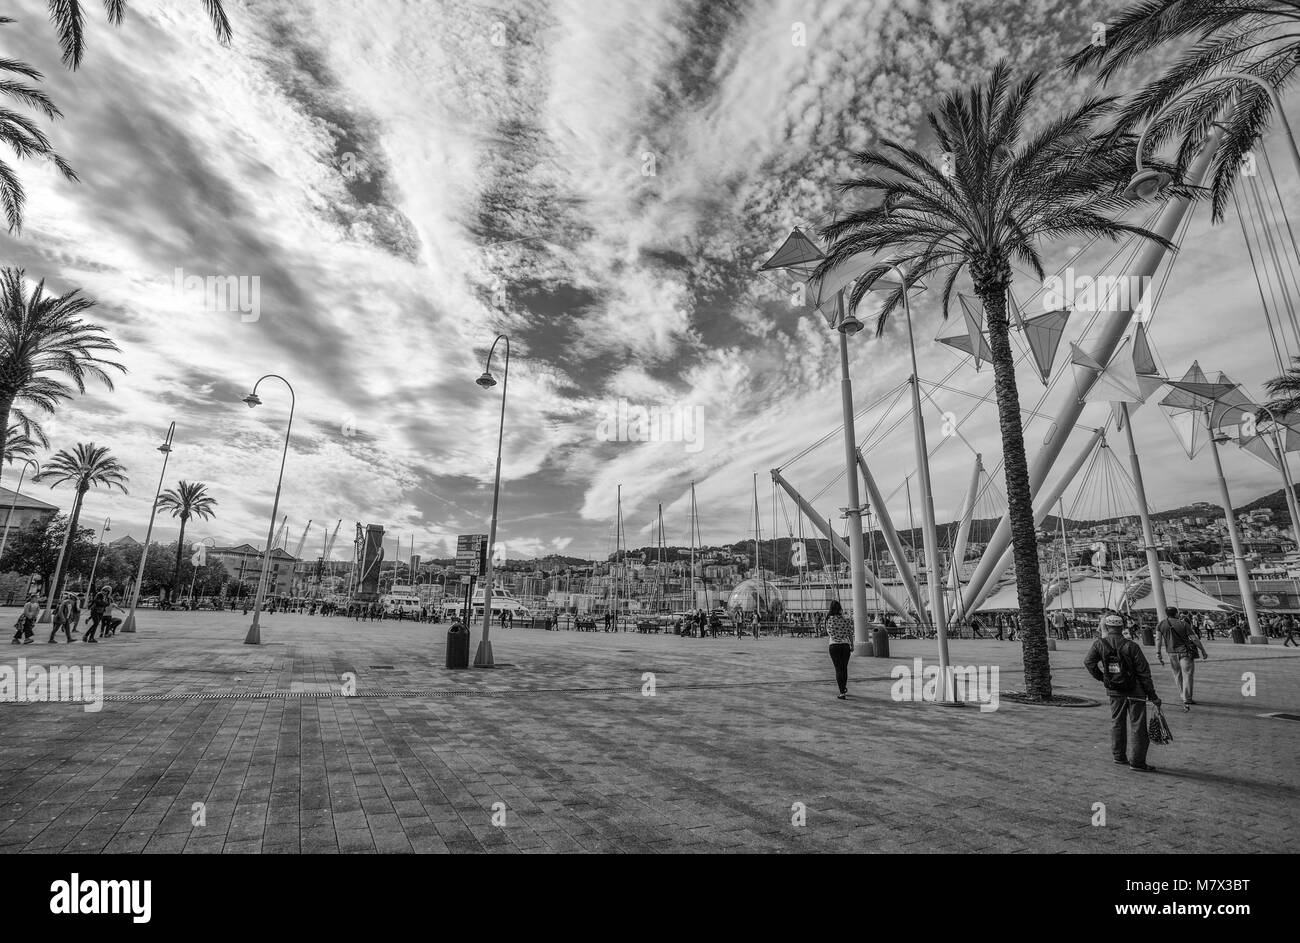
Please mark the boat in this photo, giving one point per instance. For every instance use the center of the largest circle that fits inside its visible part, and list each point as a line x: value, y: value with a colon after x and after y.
x: 401, y: 600
x: 453, y: 606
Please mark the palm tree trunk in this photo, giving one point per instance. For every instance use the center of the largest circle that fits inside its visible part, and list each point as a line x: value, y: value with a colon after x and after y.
x: 1020, y: 508
x: 180, y: 548
x: 71, y: 544
x: 6, y: 406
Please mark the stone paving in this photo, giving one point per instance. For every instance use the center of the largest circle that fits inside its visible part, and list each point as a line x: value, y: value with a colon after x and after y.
x: 561, y: 744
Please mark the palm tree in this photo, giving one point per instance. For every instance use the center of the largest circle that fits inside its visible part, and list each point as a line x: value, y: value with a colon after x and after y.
x: 1258, y: 37
x: 1285, y: 390
x: 87, y: 466
x: 69, y: 22
x: 1002, y: 192
x: 43, y: 338
x: 19, y: 445
x: 189, y: 499
x: 21, y: 134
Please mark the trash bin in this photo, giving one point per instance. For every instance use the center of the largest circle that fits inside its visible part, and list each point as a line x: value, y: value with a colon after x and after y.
x: 457, y: 646
x: 1148, y: 636
x: 1238, y: 636
x: 880, y: 643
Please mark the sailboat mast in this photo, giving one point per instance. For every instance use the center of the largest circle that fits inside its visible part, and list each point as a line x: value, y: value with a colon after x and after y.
x: 692, y: 590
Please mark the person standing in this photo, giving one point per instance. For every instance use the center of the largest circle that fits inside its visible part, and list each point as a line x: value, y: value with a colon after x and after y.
x: 1175, y: 635
x: 839, y: 632
x: 1125, y: 673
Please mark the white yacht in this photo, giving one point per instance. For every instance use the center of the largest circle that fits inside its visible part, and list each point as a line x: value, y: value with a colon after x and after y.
x: 502, y: 601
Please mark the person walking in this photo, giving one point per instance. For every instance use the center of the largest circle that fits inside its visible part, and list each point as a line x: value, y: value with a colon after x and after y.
x: 26, y: 620
x: 1289, y: 628
x: 63, y: 618
x: 98, y: 606
x: 839, y: 632
x: 976, y: 630
x: 1175, y: 635
x: 997, y: 624
x: 1126, y: 675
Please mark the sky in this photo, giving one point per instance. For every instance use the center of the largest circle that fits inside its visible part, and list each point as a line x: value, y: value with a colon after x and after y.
x: 392, y: 184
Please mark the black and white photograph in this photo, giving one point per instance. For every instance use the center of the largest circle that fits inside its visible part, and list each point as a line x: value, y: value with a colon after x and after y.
x: 587, y: 427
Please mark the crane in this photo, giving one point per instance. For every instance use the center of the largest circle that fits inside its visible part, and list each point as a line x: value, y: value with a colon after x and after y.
x: 329, y: 543
x: 297, y: 551
x: 279, y: 534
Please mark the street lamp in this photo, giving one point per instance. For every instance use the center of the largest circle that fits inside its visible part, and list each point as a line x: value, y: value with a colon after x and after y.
x: 254, y: 636
x: 98, y: 547
x: 4, y: 539
x: 1147, y: 184
x: 195, y: 574
x: 483, y: 656
x: 933, y: 581
x: 166, y: 449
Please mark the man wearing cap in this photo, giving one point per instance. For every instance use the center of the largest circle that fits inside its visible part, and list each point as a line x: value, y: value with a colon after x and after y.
x: 1120, y: 665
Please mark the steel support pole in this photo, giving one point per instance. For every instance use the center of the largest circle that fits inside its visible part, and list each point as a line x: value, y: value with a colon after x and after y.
x: 1257, y: 636
x: 1148, y: 532
x: 892, y: 542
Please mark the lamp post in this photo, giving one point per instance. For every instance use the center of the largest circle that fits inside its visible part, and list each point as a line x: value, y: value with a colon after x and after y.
x: 933, y: 581
x: 4, y: 539
x: 254, y: 636
x: 98, y: 547
x: 483, y: 656
x: 195, y: 574
x: 1147, y: 184
x: 166, y: 449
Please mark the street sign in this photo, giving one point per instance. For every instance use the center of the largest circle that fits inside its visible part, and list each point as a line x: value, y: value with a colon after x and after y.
x: 471, y: 554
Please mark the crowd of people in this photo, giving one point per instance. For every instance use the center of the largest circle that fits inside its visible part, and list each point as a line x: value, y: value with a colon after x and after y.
x: 100, y: 609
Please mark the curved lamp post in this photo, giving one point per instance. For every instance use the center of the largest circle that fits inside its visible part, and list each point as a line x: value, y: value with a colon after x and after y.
x: 1146, y: 184
x: 4, y: 539
x: 195, y: 574
x: 483, y: 656
x: 90, y: 586
x: 166, y: 449
x: 254, y: 636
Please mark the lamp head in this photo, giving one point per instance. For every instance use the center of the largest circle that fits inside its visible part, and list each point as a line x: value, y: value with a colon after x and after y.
x: 487, y: 380
x: 849, y: 324
x: 252, y: 399
x: 1147, y: 184
x: 165, y: 447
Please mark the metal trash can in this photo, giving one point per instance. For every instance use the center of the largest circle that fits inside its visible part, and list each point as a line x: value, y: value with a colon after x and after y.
x: 457, y: 646
x: 880, y: 643
x: 1238, y: 636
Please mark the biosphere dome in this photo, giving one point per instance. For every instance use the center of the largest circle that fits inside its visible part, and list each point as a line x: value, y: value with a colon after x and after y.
x: 754, y: 595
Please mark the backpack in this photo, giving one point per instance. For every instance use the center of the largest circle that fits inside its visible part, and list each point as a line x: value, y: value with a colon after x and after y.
x: 1115, y: 675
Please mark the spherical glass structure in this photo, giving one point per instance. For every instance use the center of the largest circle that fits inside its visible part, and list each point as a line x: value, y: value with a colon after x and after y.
x: 755, y: 596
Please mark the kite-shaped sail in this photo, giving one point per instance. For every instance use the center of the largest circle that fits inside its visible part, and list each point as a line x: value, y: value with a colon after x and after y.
x: 1194, y: 390
x: 1013, y: 308
x: 1118, y: 382
x: 1188, y: 429
x: 1143, y: 360
x: 1044, y: 335
x: 798, y: 253
x: 976, y: 345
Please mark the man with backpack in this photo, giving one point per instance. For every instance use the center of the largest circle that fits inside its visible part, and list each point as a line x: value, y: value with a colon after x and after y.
x: 1123, y: 670
x: 1176, y: 635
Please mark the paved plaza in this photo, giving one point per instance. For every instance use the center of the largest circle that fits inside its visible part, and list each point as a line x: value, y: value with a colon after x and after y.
x: 741, y: 738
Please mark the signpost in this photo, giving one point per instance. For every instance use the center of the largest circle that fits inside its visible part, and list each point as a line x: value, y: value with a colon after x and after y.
x: 471, y: 563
